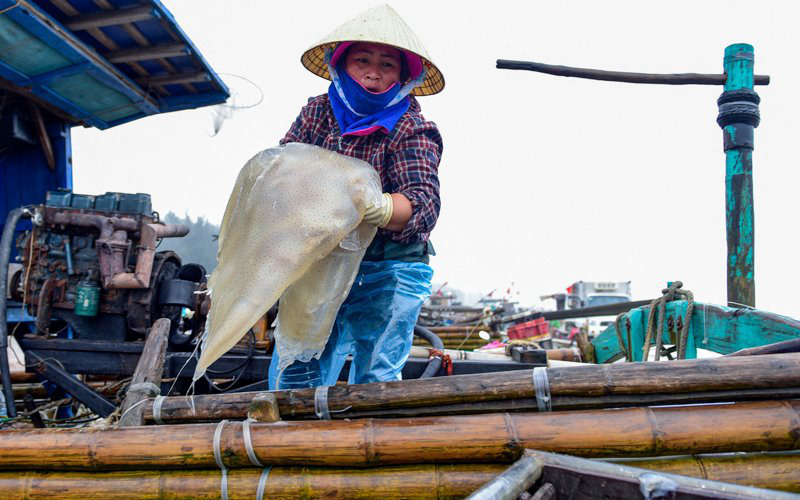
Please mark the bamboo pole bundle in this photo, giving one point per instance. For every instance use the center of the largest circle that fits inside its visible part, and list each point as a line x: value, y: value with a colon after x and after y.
x: 777, y: 471
x: 434, y: 482
x: 490, y: 438
x: 766, y: 374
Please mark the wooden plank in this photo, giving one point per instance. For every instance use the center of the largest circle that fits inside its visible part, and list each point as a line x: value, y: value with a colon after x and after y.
x: 105, y: 41
x: 142, y: 41
x: 110, y: 18
x: 512, y: 482
x: 178, y: 78
x: 146, y: 381
x: 575, y: 477
x: 73, y: 386
x: 716, y: 328
x: 148, y: 53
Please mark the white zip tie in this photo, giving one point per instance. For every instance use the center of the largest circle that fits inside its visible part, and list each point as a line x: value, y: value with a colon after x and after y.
x: 218, y: 459
x: 321, y: 402
x: 248, y: 444
x: 152, y: 388
x: 157, y: 409
x: 541, y: 386
x: 262, y: 483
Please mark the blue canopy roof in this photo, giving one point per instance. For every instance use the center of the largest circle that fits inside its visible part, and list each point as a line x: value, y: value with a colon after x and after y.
x: 103, y: 62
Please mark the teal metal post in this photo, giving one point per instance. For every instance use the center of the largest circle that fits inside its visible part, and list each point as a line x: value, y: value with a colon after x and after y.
x: 738, y: 117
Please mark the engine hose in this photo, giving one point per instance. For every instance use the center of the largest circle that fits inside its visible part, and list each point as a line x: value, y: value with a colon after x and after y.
x: 436, y: 362
x: 5, y: 255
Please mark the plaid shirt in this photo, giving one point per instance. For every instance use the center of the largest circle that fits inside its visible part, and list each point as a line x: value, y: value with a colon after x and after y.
x: 407, y: 159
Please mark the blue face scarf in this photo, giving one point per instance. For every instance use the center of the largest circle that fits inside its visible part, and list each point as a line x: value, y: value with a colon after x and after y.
x: 361, y: 112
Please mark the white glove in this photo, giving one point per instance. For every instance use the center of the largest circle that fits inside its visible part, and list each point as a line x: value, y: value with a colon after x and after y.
x: 380, y: 215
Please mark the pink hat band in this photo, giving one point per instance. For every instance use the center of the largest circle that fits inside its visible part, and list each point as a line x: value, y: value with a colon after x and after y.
x: 414, y: 61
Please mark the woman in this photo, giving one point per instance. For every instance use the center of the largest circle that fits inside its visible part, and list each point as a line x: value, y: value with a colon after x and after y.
x: 375, y: 64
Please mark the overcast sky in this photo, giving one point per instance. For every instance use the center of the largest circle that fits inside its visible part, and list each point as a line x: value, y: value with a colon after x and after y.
x: 545, y: 180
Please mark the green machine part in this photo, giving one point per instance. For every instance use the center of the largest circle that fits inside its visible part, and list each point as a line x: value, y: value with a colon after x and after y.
x: 87, y: 298
x: 712, y: 327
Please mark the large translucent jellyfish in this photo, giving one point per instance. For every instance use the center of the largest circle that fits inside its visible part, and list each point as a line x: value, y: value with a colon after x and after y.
x: 292, y: 230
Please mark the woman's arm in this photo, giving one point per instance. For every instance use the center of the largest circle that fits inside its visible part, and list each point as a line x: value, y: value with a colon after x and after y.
x: 413, y: 172
x: 401, y: 214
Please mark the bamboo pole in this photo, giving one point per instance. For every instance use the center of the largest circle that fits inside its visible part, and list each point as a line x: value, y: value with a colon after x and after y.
x: 492, y: 438
x: 424, y: 352
x: 24, y: 377
x: 465, y: 329
x: 762, y: 470
x: 146, y: 379
x: 777, y: 471
x: 206, y: 408
x: 571, y: 403
x: 434, y: 482
x: 564, y: 354
x: 675, y: 377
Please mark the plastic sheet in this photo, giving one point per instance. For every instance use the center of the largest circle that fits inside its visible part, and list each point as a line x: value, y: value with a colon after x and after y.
x: 375, y: 324
x: 290, y: 210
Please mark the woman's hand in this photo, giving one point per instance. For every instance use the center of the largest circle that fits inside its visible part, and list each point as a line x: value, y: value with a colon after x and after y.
x: 393, y: 214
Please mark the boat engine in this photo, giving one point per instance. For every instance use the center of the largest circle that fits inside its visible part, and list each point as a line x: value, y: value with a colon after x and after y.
x: 90, y: 263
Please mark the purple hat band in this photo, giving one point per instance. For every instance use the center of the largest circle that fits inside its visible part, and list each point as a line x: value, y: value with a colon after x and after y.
x: 414, y: 61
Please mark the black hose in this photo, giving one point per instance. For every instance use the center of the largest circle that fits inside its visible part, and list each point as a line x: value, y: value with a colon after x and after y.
x: 436, y: 362
x: 5, y: 255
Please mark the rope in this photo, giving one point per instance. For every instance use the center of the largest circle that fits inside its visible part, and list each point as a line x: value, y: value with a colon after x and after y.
x: 218, y: 459
x: 684, y: 338
x: 248, y: 444
x: 541, y: 387
x: 655, y: 327
x: 132, y: 407
x: 447, y: 362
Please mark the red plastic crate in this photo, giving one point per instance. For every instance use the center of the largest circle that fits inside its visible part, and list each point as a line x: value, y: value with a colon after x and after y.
x: 539, y: 326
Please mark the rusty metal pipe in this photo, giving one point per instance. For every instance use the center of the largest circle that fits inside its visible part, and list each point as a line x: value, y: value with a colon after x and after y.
x: 148, y: 234
x: 170, y: 230
x: 113, y: 243
x: 104, y: 224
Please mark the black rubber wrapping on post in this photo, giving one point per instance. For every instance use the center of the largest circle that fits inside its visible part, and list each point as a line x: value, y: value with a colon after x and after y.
x: 739, y: 95
x: 738, y: 106
x: 436, y: 362
x: 5, y: 254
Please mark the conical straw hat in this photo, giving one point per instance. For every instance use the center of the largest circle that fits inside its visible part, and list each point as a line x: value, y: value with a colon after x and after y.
x: 378, y: 25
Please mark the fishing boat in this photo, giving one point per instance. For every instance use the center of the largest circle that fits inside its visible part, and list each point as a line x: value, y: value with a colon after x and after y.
x: 100, y: 406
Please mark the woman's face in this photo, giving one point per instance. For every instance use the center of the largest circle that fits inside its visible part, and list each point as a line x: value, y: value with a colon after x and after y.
x: 376, y: 67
